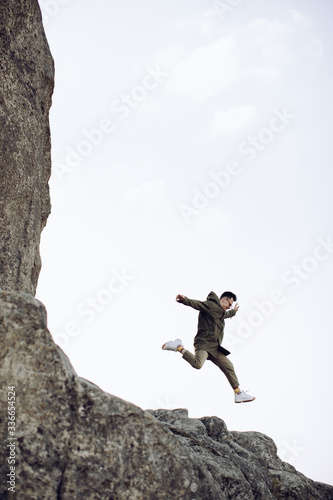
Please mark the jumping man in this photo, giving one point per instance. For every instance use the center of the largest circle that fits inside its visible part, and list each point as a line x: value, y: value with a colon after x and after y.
x: 213, y: 312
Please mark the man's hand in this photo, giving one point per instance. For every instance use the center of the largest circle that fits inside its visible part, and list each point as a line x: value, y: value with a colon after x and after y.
x: 236, y: 307
x: 180, y: 298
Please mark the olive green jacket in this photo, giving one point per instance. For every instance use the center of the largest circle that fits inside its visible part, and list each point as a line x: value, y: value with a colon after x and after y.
x: 210, y: 323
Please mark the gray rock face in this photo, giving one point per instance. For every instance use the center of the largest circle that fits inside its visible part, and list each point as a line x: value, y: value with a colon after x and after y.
x: 244, y: 465
x: 76, y: 442
x: 73, y: 440
x: 26, y: 86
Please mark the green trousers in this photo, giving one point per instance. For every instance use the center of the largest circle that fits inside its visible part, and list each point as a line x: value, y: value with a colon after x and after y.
x: 219, y: 360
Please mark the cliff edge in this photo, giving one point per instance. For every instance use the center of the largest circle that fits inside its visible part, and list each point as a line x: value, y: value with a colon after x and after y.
x: 26, y: 86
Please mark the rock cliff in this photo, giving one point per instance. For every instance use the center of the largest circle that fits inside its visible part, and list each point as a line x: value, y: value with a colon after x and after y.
x: 74, y: 441
x: 63, y: 437
x: 26, y: 86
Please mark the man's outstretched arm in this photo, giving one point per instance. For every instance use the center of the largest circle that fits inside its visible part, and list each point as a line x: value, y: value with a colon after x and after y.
x: 196, y: 304
x: 231, y: 312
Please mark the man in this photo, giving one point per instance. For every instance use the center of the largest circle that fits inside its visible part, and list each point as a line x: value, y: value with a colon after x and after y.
x: 207, y: 341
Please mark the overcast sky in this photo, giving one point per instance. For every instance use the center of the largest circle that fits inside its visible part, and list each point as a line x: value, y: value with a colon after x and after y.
x: 192, y: 151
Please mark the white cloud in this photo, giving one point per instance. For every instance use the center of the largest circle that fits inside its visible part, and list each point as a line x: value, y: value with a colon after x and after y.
x: 225, y: 121
x: 278, y: 43
x: 261, y: 50
x: 264, y: 73
x: 266, y: 30
x: 267, y: 47
x: 300, y: 18
x: 210, y: 69
x: 206, y: 71
x: 169, y: 57
x: 212, y: 218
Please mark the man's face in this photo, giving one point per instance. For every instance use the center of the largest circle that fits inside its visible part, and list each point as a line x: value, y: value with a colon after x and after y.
x: 226, y: 303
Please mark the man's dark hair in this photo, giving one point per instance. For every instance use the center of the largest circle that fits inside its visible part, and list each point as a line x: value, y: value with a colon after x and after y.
x: 230, y: 295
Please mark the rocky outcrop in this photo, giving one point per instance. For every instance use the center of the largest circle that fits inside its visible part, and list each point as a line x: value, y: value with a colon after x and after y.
x: 244, y: 465
x: 26, y: 86
x: 73, y: 440
x: 76, y: 442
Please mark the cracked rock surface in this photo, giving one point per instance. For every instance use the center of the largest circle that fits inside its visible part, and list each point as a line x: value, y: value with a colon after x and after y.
x: 244, y: 465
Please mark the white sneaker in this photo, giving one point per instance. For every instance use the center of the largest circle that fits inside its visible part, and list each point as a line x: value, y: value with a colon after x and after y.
x: 243, y: 397
x: 172, y: 345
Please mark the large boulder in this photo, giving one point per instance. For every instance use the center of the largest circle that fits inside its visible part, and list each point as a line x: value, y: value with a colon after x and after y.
x: 244, y: 465
x: 73, y: 441
x: 26, y: 86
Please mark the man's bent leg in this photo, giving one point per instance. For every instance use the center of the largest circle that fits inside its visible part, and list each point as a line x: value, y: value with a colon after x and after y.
x: 196, y: 360
x: 227, y: 367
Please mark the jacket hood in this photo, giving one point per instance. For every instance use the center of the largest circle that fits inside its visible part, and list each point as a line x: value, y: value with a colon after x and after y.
x: 213, y: 297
